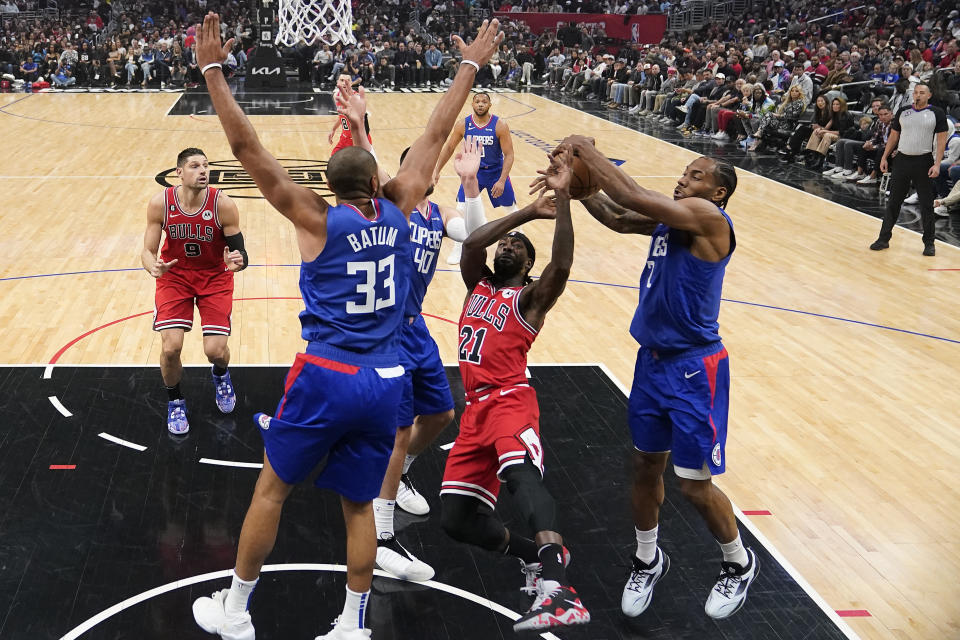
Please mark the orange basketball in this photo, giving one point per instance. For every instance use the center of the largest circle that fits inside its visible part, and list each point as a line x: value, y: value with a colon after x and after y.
x: 582, y: 184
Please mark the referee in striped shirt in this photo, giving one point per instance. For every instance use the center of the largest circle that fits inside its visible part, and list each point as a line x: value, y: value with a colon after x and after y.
x: 918, y: 132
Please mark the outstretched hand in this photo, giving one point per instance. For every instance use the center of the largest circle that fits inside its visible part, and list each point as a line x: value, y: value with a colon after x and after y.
x: 160, y: 267
x: 484, y: 45
x: 467, y: 160
x: 209, y: 49
x: 232, y: 259
x: 544, y: 207
x: 558, y: 175
x: 354, y: 108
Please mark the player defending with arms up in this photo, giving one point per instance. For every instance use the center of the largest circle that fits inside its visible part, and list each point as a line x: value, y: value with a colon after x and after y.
x: 202, y: 250
x: 340, y: 398
x: 496, y: 158
x: 499, y: 440
x: 679, y: 400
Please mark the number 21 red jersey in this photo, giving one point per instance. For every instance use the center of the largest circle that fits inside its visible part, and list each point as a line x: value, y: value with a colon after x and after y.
x: 195, y: 239
x: 494, y: 338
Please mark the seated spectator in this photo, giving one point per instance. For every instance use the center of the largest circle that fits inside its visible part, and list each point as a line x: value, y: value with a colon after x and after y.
x: 840, y: 123
x: 29, y: 70
x: 748, y: 117
x: 63, y: 78
x: 780, y: 124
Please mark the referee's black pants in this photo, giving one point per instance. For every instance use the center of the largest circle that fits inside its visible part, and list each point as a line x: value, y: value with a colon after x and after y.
x: 904, y: 171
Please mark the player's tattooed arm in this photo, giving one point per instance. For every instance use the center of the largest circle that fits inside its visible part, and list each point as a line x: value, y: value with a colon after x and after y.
x: 617, y: 218
x: 297, y: 203
x: 540, y: 296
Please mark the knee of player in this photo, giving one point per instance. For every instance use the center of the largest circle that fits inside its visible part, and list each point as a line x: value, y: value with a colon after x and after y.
x: 452, y: 519
x: 215, y: 352
x: 171, y: 350
x: 696, y: 491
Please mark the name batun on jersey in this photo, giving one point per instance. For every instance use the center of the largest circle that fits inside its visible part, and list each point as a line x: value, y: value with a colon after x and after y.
x: 190, y: 231
x: 429, y: 238
x: 372, y: 236
x: 482, y: 307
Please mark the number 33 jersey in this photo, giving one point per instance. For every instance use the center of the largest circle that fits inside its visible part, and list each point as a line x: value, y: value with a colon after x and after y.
x: 354, y: 292
x: 195, y: 240
x: 494, y: 338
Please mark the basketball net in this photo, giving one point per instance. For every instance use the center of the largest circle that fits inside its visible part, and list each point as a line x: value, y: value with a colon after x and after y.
x: 327, y: 21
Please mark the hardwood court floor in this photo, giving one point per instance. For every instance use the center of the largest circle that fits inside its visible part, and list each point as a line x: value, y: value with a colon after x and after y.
x: 844, y: 361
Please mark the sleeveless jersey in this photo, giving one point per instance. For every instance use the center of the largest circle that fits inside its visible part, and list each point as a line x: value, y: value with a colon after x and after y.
x: 491, y: 155
x: 346, y: 137
x: 426, y: 233
x: 194, y: 239
x: 494, y: 338
x: 679, y: 295
x: 354, y: 292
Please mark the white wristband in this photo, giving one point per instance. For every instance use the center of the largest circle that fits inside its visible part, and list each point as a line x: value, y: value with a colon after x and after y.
x: 471, y: 63
x: 211, y: 66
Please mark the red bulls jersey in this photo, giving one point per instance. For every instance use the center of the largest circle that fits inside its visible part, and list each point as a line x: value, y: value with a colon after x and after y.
x: 494, y: 338
x: 346, y: 137
x: 195, y: 239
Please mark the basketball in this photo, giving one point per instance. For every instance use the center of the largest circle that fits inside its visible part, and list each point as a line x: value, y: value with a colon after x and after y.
x: 582, y: 184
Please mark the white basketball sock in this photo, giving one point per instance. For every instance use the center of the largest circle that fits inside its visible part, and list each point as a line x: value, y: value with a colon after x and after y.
x: 734, y: 552
x: 238, y: 598
x: 354, y: 610
x: 647, y: 544
x: 407, y: 461
x: 383, y: 517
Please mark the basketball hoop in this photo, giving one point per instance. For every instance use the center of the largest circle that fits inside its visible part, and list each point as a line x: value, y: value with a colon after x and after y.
x: 327, y: 21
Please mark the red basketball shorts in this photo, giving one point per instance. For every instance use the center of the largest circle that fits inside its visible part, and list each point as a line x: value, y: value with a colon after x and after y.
x: 497, y: 430
x: 179, y: 289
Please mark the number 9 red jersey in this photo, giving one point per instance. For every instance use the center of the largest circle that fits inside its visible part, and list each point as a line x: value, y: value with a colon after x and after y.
x: 195, y: 239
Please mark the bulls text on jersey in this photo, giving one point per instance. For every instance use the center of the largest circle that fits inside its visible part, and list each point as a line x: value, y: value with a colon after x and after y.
x: 483, y: 308
x: 190, y: 231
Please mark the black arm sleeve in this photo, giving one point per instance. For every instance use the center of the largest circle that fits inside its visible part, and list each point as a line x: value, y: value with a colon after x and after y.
x: 235, y: 243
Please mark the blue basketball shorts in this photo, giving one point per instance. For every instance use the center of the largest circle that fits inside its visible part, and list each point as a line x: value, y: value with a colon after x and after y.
x: 426, y: 390
x: 487, y: 178
x: 679, y: 404
x: 344, y: 413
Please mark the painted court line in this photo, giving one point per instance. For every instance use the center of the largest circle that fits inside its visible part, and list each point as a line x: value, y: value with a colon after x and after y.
x: 772, y: 550
x: 63, y: 467
x: 231, y: 463
x: 122, y: 442
x: 59, y: 406
x: 89, y: 624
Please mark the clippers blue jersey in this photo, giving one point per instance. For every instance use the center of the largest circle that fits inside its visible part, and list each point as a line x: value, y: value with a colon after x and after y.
x: 679, y: 294
x: 356, y: 289
x: 491, y: 156
x: 426, y: 233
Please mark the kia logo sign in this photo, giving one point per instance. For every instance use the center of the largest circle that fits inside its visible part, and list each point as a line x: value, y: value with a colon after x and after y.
x: 265, y: 71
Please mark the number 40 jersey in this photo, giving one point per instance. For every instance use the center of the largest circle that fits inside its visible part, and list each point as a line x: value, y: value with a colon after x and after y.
x: 494, y: 338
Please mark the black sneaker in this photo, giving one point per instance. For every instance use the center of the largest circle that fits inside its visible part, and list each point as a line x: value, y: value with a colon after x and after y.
x: 879, y: 245
x: 929, y: 250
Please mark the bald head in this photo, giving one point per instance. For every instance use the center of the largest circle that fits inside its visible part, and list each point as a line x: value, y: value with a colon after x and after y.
x: 350, y: 173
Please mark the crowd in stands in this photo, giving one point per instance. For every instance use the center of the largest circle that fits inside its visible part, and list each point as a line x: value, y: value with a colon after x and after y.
x: 808, y: 79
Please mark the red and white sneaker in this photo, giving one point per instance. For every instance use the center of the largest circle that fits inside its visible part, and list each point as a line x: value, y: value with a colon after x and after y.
x: 556, y: 605
x: 531, y: 573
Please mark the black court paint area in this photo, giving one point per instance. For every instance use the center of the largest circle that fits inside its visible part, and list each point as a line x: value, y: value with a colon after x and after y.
x: 255, y: 103
x: 75, y: 542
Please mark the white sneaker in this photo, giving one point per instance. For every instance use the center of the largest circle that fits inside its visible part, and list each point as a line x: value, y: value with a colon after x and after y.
x: 849, y: 174
x: 638, y: 592
x: 210, y: 615
x: 868, y: 180
x: 941, y: 211
x: 721, y: 135
x: 912, y: 199
x: 834, y: 170
x: 730, y: 592
x: 409, y: 499
x: 455, y: 251
x: 341, y: 633
x: 397, y: 561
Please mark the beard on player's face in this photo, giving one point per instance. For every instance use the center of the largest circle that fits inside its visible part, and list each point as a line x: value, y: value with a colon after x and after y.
x: 507, y: 266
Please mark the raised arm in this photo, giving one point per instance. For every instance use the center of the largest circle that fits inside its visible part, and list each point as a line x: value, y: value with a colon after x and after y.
x: 457, y: 225
x: 539, y: 297
x: 355, y: 110
x: 299, y: 204
x: 617, y: 218
x: 696, y: 215
x: 448, y: 149
x: 473, y: 260
x: 413, y: 178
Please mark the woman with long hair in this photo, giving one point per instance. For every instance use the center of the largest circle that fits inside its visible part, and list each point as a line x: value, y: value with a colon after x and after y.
x: 840, y: 123
x: 781, y: 122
